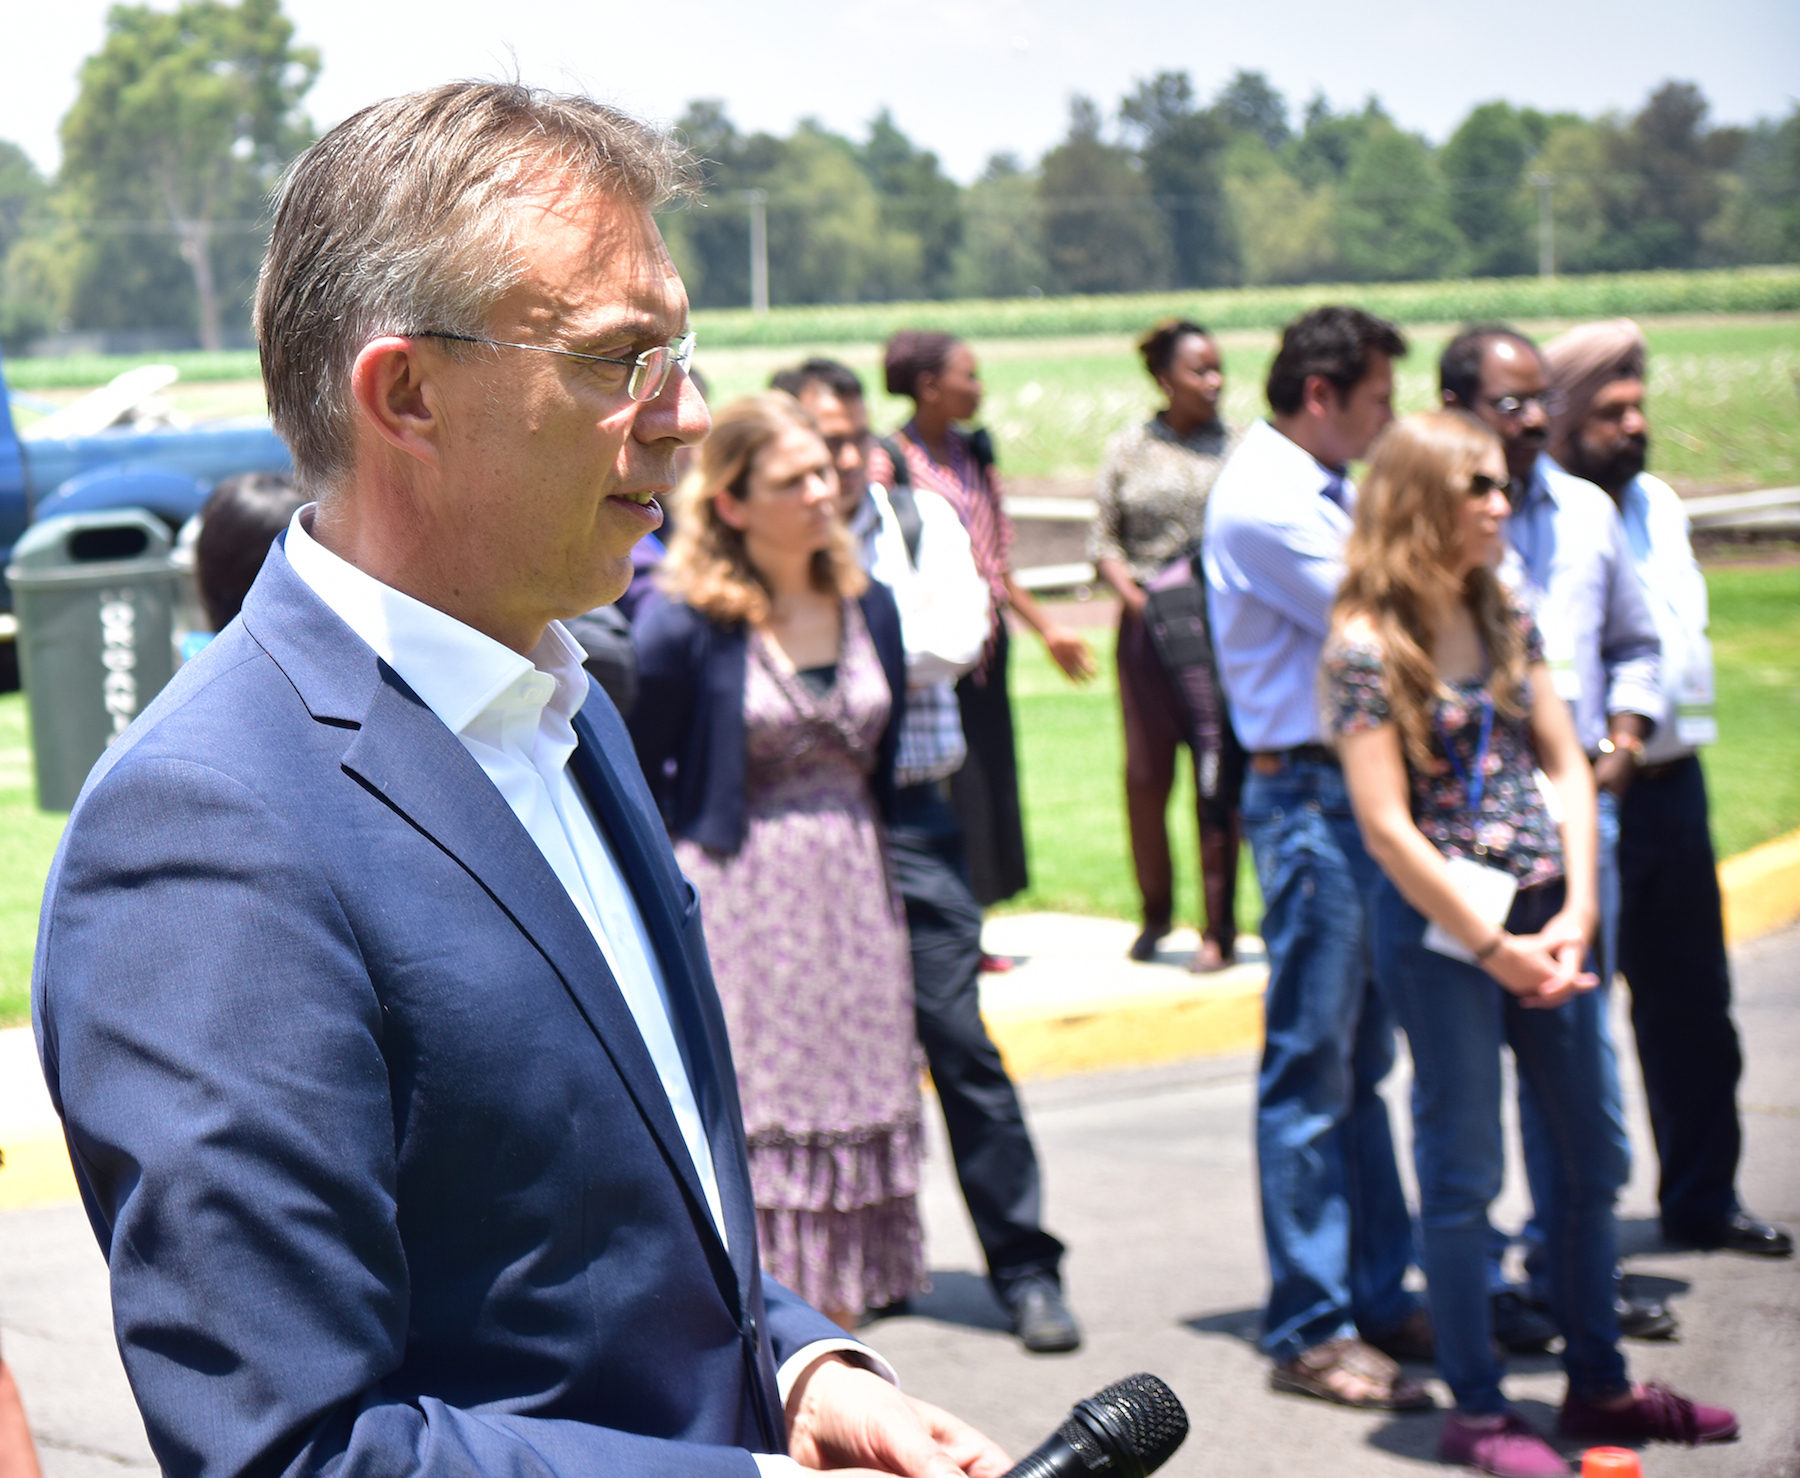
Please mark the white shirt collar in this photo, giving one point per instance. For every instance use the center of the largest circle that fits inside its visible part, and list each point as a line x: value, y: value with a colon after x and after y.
x: 458, y: 672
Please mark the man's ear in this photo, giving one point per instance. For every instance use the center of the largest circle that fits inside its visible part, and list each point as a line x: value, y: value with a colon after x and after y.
x: 390, y: 390
x: 1318, y: 396
x: 730, y: 510
x: 1450, y: 398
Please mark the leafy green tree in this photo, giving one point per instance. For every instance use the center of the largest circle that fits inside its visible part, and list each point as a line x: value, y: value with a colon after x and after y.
x: 918, y: 200
x: 1664, y: 187
x: 1328, y: 145
x: 24, y: 312
x: 1250, y: 103
x: 1393, y: 218
x: 1284, y: 231
x: 1182, y: 149
x: 1002, y: 250
x: 826, y: 239
x: 1102, y: 230
x: 1760, y: 221
x: 1484, y: 164
x: 183, y: 121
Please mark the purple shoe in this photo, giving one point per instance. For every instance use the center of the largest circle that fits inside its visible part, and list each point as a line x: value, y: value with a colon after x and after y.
x: 1503, y: 1445
x: 1656, y: 1415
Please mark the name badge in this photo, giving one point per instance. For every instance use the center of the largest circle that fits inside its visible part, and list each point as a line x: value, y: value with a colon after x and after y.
x: 1489, y: 891
x: 1694, y: 720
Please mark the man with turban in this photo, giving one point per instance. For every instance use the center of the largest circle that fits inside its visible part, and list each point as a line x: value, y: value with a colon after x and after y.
x: 1671, y: 932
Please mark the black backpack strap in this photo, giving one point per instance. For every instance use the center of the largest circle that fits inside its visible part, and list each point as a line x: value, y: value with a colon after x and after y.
x: 902, y: 501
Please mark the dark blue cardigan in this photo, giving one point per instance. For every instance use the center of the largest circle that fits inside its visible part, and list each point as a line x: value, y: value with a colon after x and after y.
x: 690, y: 710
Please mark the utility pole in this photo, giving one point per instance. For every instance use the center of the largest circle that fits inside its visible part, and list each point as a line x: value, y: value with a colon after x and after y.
x: 1546, y: 225
x: 758, y: 201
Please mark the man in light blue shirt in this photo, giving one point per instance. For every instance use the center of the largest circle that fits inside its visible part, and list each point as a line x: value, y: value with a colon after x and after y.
x: 1334, y: 1217
x: 1671, y: 922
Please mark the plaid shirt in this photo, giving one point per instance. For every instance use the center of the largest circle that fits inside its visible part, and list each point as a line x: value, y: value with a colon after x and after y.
x: 931, y: 745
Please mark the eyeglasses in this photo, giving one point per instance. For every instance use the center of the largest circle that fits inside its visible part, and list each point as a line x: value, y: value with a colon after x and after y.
x: 1481, y: 485
x: 649, y: 370
x: 1551, y: 403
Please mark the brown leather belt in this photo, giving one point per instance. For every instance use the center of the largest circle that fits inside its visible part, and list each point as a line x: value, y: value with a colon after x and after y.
x: 1274, y: 761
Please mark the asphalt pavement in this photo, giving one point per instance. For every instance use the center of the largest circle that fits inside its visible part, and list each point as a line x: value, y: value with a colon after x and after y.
x: 1150, y: 1180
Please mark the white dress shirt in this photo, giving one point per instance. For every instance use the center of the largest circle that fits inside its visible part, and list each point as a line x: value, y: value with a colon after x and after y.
x: 515, y: 716
x: 945, y: 611
x: 1656, y: 537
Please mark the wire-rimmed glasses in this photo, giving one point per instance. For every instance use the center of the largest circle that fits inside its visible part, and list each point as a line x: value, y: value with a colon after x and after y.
x: 649, y: 370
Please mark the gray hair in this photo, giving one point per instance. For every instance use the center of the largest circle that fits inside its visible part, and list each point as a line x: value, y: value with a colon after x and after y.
x: 399, y: 219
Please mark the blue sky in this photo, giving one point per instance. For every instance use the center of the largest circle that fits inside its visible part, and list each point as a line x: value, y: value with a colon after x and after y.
x: 972, y: 77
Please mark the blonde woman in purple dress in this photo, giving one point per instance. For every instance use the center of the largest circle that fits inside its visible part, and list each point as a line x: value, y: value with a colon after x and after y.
x: 771, y: 679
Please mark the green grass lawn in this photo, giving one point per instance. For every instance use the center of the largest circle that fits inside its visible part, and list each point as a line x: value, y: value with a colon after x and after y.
x: 1072, y: 760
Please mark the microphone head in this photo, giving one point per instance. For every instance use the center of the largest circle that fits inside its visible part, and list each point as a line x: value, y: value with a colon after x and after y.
x: 1140, y: 1414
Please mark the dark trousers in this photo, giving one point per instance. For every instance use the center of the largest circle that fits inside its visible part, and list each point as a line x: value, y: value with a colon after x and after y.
x: 985, y: 791
x: 1155, y: 728
x: 995, y: 1162
x: 1672, y: 951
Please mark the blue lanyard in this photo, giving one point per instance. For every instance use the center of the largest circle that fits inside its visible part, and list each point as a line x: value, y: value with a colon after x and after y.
x: 1476, y: 783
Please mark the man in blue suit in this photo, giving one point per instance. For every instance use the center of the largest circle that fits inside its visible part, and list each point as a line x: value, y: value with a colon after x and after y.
x: 377, y: 1012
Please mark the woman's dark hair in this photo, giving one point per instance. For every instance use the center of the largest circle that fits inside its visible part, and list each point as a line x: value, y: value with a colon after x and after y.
x: 912, y: 353
x: 1335, y: 342
x: 1159, y: 345
x: 238, y: 524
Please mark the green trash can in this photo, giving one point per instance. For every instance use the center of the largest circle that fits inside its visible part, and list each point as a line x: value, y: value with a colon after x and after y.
x: 95, y: 595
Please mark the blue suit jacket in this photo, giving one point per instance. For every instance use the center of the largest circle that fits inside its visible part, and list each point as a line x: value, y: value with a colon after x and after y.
x: 379, y: 1161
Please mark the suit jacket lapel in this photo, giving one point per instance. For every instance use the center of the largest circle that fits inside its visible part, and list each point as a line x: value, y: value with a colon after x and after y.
x: 408, y: 758
x: 640, y: 845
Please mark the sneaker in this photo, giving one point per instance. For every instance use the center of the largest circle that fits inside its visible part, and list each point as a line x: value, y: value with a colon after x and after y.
x: 1040, y: 1318
x: 1502, y: 1445
x: 1656, y: 1414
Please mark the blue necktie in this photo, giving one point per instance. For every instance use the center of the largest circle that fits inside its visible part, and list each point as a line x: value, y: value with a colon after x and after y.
x: 1334, y: 489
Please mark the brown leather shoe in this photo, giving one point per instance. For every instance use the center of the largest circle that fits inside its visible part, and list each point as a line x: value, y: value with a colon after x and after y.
x: 1411, y: 1339
x: 1347, y: 1371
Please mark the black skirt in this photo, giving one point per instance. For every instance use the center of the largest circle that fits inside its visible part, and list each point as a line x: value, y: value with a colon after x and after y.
x: 985, y: 792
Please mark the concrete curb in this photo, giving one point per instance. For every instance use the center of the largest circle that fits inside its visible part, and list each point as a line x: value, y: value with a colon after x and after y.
x: 1072, y: 1004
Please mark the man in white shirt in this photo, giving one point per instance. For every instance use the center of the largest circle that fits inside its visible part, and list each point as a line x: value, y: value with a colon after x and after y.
x: 914, y: 543
x: 377, y: 1011
x: 1671, y: 944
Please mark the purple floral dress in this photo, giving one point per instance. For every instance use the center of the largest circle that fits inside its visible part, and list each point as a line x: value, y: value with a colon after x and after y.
x: 809, y: 949
x: 1515, y: 824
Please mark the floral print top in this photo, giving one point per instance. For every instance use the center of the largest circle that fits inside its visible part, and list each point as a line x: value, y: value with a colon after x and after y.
x: 1515, y: 830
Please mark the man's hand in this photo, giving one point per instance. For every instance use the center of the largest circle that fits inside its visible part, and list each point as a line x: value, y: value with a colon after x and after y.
x: 844, y: 1418
x: 1616, y: 769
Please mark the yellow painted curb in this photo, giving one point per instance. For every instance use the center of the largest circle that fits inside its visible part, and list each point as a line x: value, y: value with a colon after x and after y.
x: 1131, y: 1032
x: 36, y: 1173
x: 1761, y: 888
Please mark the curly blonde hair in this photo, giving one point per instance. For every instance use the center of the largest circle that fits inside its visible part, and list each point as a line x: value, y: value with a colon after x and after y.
x: 709, y: 565
x: 1399, y: 566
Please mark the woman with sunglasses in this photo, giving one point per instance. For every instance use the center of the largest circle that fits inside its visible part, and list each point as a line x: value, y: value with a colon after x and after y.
x: 1445, y: 715
x: 770, y: 691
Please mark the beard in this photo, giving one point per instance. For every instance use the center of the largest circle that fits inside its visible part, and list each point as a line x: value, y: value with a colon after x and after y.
x: 1613, y: 468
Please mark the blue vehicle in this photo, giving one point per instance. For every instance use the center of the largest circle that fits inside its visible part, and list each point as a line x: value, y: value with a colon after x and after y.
x: 168, y: 470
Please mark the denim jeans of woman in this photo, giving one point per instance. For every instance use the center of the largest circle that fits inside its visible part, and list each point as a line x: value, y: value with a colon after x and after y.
x: 1457, y: 1018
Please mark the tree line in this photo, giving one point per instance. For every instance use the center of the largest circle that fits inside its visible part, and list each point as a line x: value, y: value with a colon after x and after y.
x: 184, y: 118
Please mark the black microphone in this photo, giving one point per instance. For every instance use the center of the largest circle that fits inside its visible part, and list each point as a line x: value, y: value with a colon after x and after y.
x: 1129, y: 1430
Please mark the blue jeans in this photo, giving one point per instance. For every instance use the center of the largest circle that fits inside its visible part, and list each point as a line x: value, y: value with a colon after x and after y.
x: 1334, y: 1216
x: 1604, y: 962
x: 1457, y: 1018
